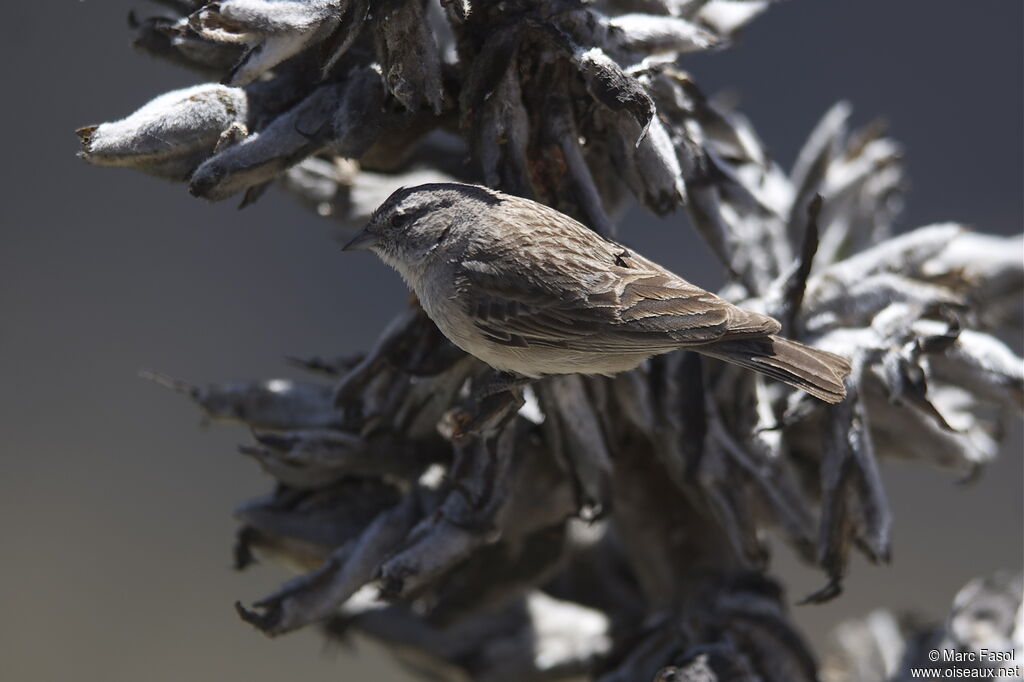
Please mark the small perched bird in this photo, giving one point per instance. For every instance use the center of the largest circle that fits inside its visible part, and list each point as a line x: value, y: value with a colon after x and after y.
x: 532, y: 292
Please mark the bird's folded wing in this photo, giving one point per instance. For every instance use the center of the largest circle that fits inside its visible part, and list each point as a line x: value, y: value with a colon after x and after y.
x: 621, y: 309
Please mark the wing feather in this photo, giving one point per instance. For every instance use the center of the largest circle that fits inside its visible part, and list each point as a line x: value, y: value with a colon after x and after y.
x: 595, y: 305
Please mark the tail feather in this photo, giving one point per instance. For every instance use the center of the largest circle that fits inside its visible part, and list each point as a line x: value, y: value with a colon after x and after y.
x: 817, y: 372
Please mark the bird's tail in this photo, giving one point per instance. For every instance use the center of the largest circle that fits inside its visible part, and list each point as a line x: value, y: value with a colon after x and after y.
x: 818, y: 372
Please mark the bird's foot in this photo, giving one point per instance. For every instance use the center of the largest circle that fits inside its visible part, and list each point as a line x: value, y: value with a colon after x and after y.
x: 490, y: 405
x: 477, y: 417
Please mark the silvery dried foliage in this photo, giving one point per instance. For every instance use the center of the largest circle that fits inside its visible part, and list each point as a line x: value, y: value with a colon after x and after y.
x: 612, y: 529
x: 982, y: 637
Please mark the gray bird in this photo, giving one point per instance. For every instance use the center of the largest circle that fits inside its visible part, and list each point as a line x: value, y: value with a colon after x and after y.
x: 532, y: 292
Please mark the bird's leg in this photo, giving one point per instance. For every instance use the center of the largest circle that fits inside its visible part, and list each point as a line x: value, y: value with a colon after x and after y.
x: 491, y: 403
x: 499, y: 382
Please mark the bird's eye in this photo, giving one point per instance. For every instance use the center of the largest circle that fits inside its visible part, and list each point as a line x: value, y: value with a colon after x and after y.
x: 398, y: 219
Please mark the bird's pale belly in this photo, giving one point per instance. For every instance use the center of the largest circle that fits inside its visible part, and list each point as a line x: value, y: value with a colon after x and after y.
x: 531, y: 361
x: 440, y: 304
x: 536, y: 361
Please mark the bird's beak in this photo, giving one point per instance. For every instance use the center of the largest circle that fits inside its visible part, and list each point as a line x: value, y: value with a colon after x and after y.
x: 362, y: 241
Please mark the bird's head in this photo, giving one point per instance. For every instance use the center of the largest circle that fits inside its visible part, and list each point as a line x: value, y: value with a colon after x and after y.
x: 414, y: 221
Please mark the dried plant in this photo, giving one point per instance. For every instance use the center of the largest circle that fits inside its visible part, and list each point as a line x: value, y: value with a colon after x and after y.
x: 980, y: 638
x: 612, y: 529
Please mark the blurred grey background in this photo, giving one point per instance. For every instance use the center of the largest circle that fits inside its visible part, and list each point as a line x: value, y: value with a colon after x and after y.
x: 115, y: 507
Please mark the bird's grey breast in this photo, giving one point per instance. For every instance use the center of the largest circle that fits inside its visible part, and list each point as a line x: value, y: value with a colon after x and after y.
x: 441, y: 290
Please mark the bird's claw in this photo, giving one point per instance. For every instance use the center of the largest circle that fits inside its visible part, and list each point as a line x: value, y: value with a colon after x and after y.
x: 480, y: 416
